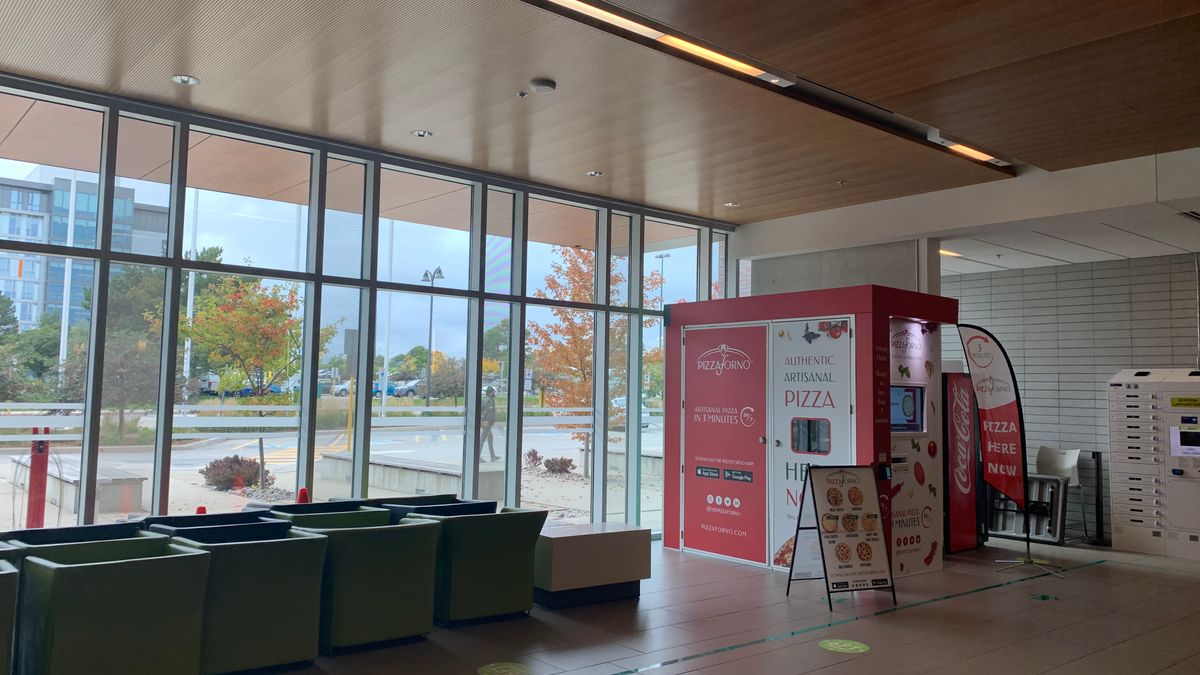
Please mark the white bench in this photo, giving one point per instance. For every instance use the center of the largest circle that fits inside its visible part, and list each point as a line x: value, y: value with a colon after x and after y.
x: 582, y: 564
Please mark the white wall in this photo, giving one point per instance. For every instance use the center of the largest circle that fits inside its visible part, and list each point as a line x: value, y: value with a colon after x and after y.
x: 1069, y: 329
x: 912, y: 265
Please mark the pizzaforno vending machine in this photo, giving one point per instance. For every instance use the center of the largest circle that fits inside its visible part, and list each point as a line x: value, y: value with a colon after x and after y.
x: 759, y: 388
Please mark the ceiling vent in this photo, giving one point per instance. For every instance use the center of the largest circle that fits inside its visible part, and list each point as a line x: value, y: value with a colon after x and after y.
x: 1191, y: 215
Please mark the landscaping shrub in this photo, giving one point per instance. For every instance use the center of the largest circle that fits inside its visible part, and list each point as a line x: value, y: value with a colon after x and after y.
x: 234, y: 471
x: 559, y: 464
x: 533, y: 459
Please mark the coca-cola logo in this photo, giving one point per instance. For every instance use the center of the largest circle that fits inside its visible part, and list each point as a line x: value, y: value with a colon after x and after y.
x: 960, y: 418
x: 722, y: 358
x: 993, y: 385
x: 905, y: 343
x: 981, y: 351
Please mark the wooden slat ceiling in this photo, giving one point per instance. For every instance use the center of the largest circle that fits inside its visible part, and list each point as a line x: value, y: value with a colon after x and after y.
x: 667, y: 133
x: 1056, y: 84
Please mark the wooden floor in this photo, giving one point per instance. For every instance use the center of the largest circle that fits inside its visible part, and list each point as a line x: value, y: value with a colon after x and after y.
x: 1112, y: 613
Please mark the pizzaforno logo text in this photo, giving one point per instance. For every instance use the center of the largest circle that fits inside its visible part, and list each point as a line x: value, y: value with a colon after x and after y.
x: 722, y: 358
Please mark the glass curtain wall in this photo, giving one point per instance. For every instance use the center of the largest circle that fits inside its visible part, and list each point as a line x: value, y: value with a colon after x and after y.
x: 196, y: 313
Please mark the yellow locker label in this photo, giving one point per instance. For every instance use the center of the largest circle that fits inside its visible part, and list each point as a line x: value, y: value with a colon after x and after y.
x: 1185, y: 401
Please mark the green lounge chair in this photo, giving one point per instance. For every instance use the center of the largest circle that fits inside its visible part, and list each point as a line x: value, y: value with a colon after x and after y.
x: 255, y: 566
x: 92, y: 608
x: 8, y: 611
x: 379, y: 578
x: 485, y: 563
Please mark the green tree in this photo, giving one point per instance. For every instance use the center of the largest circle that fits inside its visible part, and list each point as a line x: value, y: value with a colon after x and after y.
x: 252, y: 332
x: 130, y: 371
x: 495, y: 341
x: 8, y: 318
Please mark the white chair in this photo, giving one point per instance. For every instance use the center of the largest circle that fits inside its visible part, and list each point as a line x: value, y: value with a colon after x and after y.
x: 1065, y: 464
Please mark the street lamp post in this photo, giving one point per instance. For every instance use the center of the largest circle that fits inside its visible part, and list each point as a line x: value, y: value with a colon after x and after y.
x: 661, y: 289
x: 429, y: 278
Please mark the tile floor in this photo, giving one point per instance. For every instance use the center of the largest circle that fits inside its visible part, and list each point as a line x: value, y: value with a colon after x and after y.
x: 1128, y: 614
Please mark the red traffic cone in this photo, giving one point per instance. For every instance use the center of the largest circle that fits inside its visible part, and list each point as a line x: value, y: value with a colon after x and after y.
x: 201, y: 510
x: 302, y: 496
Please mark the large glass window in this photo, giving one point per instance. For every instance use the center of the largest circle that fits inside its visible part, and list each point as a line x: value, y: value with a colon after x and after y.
x: 424, y: 223
x: 720, y: 242
x: 49, y: 164
x: 129, y: 394
x: 669, y: 264
x: 557, y: 425
x: 496, y: 437
x: 624, y: 422
x: 497, y: 256
x: 43, y: 369
x: 337, y: 385
x: 345, y: 183
x: 418, y: 417
x: 653, y: 387
x: 244, y: 287
x: 561, y: 259
x: 142, y: 199
x: 620, y: 244
x: 246, y: 203
x: 237, y: 415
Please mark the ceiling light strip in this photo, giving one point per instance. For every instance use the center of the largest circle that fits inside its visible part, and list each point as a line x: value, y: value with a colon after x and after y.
x: 677, y: 42
x: 789, y: 84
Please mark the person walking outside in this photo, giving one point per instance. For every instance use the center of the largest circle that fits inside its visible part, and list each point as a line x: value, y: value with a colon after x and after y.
x: 489, y: 421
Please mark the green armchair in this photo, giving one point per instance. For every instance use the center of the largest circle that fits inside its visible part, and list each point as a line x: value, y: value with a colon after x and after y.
x: 252, y: 566
x: 107, y: 542
x: 8, y: 611
x: 94, y: 608
x: 379, y: 578
x: 485, y: 563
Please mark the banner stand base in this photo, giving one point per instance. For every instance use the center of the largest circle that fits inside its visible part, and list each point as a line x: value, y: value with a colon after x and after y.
x: 1043, y: 565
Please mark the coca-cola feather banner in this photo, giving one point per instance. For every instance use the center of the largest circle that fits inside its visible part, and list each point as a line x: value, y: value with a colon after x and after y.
x: 961, y: 463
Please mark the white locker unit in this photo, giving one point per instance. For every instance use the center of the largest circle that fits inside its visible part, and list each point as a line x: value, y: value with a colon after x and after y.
x: 1181, y: 462
x: 1136, y: 478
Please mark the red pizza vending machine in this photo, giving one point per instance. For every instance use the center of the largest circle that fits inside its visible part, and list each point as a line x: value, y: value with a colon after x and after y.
x: 759, y: 388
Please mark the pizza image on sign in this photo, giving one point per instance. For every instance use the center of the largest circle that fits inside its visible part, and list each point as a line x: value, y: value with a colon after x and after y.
x: 833, y: 496
x: 849, y: 522
x: 842, y: 552
x: 855, y: 494
x: 783, y: 557
x: 864, y: 551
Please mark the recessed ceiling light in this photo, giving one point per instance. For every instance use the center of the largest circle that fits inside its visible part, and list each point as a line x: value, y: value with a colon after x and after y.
x: 186, y: 80
x: 422, y: 133
x: 595, y: 174
x: 733, y: 205
x: 948, y: 253
x: 936, y: 136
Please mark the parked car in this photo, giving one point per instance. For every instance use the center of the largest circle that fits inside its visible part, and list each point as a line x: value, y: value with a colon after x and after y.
x: 409, y: 387
x: 343, y: 388
x: 248, y: 391
x: 618, y: 405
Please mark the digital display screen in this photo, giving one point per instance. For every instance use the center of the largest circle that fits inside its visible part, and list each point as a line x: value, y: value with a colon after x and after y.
x: 1185, y: 441
x: 908, y: 408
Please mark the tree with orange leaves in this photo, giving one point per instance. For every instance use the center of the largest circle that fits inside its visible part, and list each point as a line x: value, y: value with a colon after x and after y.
x: 561, y: 351
x: 253, y: 333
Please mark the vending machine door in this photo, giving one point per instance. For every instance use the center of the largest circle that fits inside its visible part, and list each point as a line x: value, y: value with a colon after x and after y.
x: 811, y: 392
